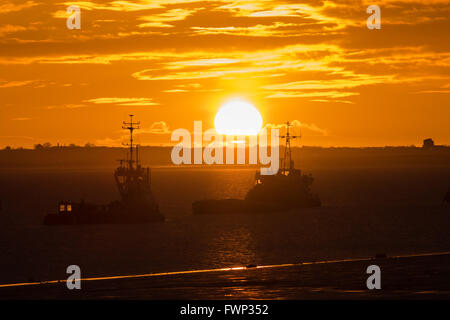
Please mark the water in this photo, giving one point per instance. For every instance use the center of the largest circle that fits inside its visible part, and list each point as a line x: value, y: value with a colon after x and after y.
x: 366, y: 211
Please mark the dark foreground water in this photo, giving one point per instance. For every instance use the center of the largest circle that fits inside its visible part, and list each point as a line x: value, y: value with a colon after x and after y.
x: 403, y: 277
x: 365, y: 211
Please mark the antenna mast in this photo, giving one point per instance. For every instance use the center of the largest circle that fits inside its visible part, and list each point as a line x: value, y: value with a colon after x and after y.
x: 131, y: 126
x: 287, y: 148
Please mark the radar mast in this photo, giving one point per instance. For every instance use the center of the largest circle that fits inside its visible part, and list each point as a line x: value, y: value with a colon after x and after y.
x: 131, y: 126
x: 288, y: 166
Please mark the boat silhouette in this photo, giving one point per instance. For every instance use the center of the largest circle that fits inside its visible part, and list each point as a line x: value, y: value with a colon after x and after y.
x: 286, y: 190
x: 136, y: 205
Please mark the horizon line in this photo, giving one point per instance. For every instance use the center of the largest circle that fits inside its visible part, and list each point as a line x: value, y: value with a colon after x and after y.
x: 38, y: 147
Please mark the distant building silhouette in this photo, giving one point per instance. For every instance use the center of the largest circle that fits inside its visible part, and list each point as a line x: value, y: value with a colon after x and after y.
x: 428, y: 143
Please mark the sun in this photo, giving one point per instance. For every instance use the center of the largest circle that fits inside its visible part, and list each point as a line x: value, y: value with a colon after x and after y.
x: 238, y: 117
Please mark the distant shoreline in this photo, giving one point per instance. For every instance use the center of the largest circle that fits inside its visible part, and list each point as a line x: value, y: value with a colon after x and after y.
x: 160, y: 157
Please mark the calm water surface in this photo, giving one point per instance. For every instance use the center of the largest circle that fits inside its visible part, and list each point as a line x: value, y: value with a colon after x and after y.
x: 366, y: 211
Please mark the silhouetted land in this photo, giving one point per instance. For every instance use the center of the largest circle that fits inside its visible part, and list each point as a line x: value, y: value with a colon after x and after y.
x: 305, y: 157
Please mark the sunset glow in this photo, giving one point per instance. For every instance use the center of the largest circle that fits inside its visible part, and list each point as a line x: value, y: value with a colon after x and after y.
x: 171, y: 62
x: 238, y: 117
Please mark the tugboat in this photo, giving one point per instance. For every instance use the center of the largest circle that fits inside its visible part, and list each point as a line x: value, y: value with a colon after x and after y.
x: 136, y: 205
x: 288, y: 189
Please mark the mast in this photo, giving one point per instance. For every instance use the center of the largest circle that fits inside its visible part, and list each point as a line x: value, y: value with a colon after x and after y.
x: 131, y: 126
x: 137, y: 155
x: 287, y: 148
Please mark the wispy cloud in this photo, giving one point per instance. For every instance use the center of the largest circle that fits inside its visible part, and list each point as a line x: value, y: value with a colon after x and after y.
x: 329, y: 94
x: 66, y: 106
x: 162, y: 19
x: 21, y: 119
x: 8, y: 28
x: 297, y: 128
x: 12, y: 84
x: 159, y: 127
x: 11, y: 6
x: 124, y: 101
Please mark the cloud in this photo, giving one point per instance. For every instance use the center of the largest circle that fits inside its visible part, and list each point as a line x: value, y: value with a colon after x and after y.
x: 258, y: 63
x: 10, y: 6
x: 66, y: 106
x: 329, y: 94
x: 160, y: 19
x: 259, y: 30
x: 11, y: 84
x: 316, y: 12
x: 190, y: 87
x: 355, y: 81
x: 159, y: 127
x: 8, y: 28
x: 117, y: 5
x: 201, y: 62
x: 296, y: 128
x: 124, y: 101
x: 443, y: 91
x: 110, y: 142
x: 175, y: 90
x: 21, y: 119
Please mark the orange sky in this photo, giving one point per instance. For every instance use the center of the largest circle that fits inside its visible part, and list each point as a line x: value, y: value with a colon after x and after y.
x: 171, y: 62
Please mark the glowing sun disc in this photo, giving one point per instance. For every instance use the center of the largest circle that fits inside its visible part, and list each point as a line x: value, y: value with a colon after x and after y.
x: 238, y: 117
